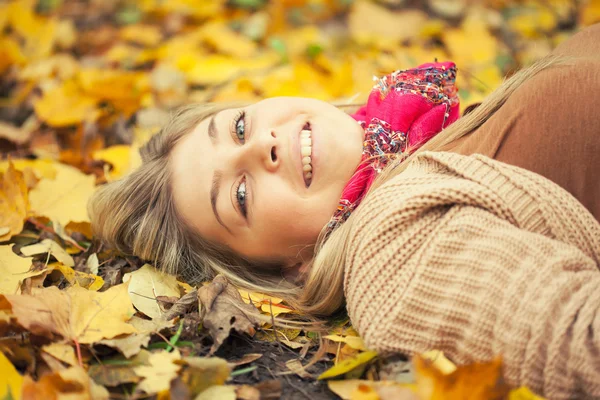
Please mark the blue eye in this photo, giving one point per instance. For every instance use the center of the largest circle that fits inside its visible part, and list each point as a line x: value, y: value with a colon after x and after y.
x: 240, y: 126
x: 240, y: 195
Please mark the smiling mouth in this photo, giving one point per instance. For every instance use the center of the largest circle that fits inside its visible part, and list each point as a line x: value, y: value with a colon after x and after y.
x: 306, y: 153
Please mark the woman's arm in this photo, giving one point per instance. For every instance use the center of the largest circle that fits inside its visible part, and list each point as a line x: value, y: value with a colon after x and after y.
x: 462, y: 280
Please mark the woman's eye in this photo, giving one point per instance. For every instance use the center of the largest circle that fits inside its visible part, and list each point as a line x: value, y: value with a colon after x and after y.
x: 241, y: 197
x: 240, y: 127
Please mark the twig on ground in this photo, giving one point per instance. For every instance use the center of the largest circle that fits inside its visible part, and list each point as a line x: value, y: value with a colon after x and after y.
x: 273, y: 323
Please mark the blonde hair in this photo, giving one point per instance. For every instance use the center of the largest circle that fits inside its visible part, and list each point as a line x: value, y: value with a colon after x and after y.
x: 136, y: 215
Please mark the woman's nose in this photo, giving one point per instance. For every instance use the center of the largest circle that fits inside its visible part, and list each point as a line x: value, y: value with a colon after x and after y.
x: 265, y: 150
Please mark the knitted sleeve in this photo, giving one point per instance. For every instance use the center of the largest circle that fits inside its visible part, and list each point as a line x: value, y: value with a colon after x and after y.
x: 464, y: 281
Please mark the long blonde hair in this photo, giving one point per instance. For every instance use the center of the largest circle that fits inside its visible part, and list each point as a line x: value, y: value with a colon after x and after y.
x: 136, y: 215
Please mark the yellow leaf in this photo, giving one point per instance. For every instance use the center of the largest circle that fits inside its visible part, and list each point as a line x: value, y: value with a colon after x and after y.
x: 219, y: 36
x: 349, y: 389
x: 72, y: 383
x: 66, y: 105
x: 257, y: 299
x: 10, y: 54
x: 218, y: 392
x: 533, y: 21
x: 13, y: 270
x: 62, y: 352
x: 147, y: 35
x: 118, y: 156
x: 369, y: 23
x: 75, y: 313
x: 146, y: 284
x: 353, y: 341
x: 590, y: 13
x: 14, y: 202
x: 523, y: 393
x: 200, y: 373
x: 65, y: 198
x: 87, y: 281
x: 439, y: 361
x: 472, y: 43
x: 474, y: 381
x: 49, y: 246
x: 160, y: 371
x: 348, y: 365
x: 132, y: 344
x: 41, y: 168
x: 11, y: 381
x: 218, y: 68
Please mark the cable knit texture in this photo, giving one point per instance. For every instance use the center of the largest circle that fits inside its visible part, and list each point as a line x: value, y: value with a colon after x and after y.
x: 478, y: 258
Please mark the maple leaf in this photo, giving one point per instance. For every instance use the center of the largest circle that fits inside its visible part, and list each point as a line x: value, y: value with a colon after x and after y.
x: 76, y: 314
x: 160, y: 371
x: 223, y: 309
x: 70, y: 383
x: 63, y: 199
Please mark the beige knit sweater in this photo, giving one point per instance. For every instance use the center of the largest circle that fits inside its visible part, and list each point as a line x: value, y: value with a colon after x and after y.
x: 478, y: 258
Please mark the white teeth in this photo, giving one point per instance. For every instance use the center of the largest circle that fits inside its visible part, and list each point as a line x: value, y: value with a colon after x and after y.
x: 306, y: 151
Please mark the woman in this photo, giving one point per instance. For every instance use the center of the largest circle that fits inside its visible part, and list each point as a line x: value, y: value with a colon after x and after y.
x: 443, y: 250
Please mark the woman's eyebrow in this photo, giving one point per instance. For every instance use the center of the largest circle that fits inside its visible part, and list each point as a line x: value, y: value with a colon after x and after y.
x: 214, y: 195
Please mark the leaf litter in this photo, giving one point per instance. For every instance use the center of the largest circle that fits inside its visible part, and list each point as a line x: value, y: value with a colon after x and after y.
x: 84, y: 85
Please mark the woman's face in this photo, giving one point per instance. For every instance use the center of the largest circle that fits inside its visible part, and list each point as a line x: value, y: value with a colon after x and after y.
x: 241, y: 177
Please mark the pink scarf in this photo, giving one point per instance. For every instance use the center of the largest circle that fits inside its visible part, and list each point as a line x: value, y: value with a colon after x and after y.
x: 404, y: 110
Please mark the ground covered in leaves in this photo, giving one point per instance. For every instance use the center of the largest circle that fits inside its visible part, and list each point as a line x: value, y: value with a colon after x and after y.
x: 83, y: 84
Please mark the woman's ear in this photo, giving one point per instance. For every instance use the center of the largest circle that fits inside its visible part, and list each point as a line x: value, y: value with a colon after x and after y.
x: 295, y: 272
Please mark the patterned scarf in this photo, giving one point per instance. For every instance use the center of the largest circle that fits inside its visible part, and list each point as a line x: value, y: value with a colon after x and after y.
x: 404, y: 110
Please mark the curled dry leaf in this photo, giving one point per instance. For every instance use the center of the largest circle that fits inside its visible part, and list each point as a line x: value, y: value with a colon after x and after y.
x: 183, y: 305
x: 49, y: 246
x: 222, y: 309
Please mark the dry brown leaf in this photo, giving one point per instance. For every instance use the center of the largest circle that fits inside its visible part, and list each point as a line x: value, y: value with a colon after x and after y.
x: 14, y: 202
x: 223, y: 309
x: 75, y: 313
x: 182, y: 305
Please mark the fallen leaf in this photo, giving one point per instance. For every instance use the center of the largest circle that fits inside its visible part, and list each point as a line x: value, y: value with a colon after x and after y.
x: 71, y: 383
x: 353, y: 341
x: 51, y: 247
x: 14, y: 202
x: 12, y: 380
x: 74, y: 313
x: 183, y: 305
x: 200, y: 373
x: 217, y: 392
x: 131, y: 345
x: 523, y: 393
x: 474, y: 381
x: 14, y: 134
x: 87, y: 281
x: 349, y: 389
x: 297, y: 367
x: 62, y: 352
x: 146, y: 284
x: 66, y: 105
x: 159, y: 372
x: 65, y: 198
x: 348, y: 365
x: 117, y: 156
x: 246, y: 359
x: 13, y: 270
x: 222, y: 309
